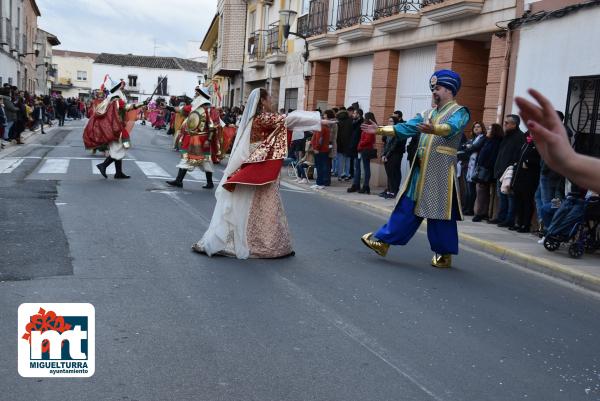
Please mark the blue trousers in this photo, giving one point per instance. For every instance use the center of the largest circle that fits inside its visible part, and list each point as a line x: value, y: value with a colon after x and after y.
x: 403, y: 224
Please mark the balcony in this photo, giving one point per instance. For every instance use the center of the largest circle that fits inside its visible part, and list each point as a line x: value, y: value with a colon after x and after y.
x: 396, y: 15
x: 257, y: 44
x: 317, y: 25
x: 449, y: 10
x: 276, y: 46
x: 5, y: 32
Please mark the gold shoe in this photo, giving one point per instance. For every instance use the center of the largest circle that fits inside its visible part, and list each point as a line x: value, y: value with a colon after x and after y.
x: 380, y: 248
x: 441, y: 261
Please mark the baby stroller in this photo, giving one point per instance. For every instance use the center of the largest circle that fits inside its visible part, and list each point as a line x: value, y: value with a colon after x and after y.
x: 576, y: 224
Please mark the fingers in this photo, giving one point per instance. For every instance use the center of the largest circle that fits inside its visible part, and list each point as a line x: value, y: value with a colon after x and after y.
x: 539, y: 132
x: 543, y: 101
x: 528, y: 110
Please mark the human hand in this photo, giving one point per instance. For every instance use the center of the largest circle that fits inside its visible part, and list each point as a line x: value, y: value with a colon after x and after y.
x: 548, y: 132
x: 368, y: 128
x: 427, y: 128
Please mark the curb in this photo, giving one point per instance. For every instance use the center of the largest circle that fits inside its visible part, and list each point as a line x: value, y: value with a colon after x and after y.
x: 534, y: 263
x: 9, y: 148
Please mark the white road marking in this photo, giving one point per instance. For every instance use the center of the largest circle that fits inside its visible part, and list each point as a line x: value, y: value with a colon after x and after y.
x: 291, y: 186
x: 109, y: 170
x: 152, y: 169
x: 54, y: 166
x: 198, y: 175
x: 8, y: 165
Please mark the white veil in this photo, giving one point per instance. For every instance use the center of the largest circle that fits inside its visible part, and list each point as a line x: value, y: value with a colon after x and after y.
x: 227, y: 230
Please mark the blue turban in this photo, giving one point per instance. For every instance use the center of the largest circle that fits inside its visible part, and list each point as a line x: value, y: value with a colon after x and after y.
x: 446, y: 78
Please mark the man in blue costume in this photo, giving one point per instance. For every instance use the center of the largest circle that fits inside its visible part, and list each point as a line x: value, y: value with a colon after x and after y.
x: 431, y: 189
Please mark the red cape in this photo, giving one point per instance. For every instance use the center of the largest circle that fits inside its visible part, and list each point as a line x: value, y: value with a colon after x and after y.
x: 102, y: 129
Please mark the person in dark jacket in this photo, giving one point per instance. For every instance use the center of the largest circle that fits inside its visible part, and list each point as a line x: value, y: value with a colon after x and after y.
x: 20, y: 122
x: 508, y: 155
x: 61, y: 109
x: 486, y: 159
x: 525, y: 181
x: 344, y: 138
x: 357, y: 120
x: 393, y: 150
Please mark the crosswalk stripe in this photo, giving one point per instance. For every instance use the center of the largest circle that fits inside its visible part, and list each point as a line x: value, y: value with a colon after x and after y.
x: 54, y: 166
x: 152, y: 169
x: 8, y: 165
x: 109, y: 170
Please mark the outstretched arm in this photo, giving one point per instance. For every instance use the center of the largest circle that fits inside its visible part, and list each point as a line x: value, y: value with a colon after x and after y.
x: 551, y: 139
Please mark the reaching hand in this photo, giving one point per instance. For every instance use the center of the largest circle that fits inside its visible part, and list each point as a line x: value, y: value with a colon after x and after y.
x: 368, y: 128
x: 548, y: 132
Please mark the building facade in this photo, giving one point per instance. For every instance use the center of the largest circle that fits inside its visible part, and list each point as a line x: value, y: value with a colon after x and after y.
x: 224, y: 42
x: 74, y: 73
x: 271, y: 61
x: 46, y: 74
x: 142, y: 74
x: 29, y: 45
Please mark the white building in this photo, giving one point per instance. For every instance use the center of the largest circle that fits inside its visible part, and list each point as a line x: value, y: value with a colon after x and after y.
x: 143, y: 73
x: 73, y: 73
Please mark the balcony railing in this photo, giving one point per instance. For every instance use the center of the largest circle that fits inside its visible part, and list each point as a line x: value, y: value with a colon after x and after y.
x: 387, y: 8
x: 353, y: 12
x: 257, y: 44
x: 275, y: 41
x: 328, y: 16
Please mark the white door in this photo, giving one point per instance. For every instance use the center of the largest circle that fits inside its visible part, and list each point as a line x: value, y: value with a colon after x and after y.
x: 414, y: 71
x: 412, y: 91
x: 358, y: 82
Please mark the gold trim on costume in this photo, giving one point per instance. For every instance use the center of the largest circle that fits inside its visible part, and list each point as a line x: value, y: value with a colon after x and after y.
x: 441, y: 129
x: 446, y: 150
x: 386, y: 130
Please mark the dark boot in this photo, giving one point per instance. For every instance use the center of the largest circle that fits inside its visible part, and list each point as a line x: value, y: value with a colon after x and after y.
x: 178, y: 182
x: 365, y: 190
x: 103, y: 166
x: 119, y: 167
x: 353, y: 188
x: 209, y: 181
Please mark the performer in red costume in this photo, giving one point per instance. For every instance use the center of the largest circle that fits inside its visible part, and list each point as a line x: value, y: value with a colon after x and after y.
x: 107, y: 129
x: 195, y: 139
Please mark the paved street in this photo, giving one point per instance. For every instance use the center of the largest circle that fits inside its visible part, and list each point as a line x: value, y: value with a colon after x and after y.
x: 335, y: 322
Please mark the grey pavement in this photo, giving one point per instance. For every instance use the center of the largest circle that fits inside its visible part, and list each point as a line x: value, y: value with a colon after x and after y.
x: 335, y: 322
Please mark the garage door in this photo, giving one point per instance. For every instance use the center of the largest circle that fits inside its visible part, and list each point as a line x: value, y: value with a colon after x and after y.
x: 414, y: 70
x: 358, y: 82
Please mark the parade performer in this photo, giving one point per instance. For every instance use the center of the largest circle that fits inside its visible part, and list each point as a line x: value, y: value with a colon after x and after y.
x: 109, y: 127
x: 249, y: 220
x: 431, y: 190
x: 195, y: 138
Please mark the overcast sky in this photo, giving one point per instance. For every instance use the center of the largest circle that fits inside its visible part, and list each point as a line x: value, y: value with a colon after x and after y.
x: 127, y: 26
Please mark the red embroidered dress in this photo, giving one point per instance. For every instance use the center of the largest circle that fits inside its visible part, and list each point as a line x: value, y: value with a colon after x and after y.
x: 268, y: 148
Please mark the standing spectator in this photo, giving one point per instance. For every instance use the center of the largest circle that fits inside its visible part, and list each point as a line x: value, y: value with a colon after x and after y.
x: 333, y: 129
x: 524, y: 183
x: 320, y: 146
x: 344, y: 140
x: 508, y: 155
x: 2, y: 122
x: 20, y: 122
x: 61, y: 109
x: 486, y: 159
x: 39, y: 114
x: 472, y: 148
x: 10, y: 111
x: 365, y: 151
x: 393, y: 151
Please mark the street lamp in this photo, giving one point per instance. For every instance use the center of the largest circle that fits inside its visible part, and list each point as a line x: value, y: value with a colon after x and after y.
x: 287, y: 17
x: 36, y: 51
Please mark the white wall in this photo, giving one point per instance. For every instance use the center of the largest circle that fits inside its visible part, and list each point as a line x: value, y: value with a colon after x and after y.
x: 178, y: 82
x: 8, y: 68
x: 552, y: 51
x: 358, y: 82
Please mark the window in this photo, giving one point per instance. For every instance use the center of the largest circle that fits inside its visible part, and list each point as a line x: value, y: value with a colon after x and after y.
x: 582, y: 114
x: 1, y: 81
x: 252, y: 21
x: 291, y: 99
x: 10, y: 80
x: 82, y: 75
x: 162, y: 86
x: 132, y: 80
x: 305, y: 7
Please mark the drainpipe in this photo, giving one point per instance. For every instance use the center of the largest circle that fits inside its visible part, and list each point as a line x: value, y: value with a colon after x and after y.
x: 504, y: 78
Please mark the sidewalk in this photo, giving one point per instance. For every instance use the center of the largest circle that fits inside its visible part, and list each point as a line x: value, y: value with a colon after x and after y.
x: 10, y: 147
x: 522, y: 249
